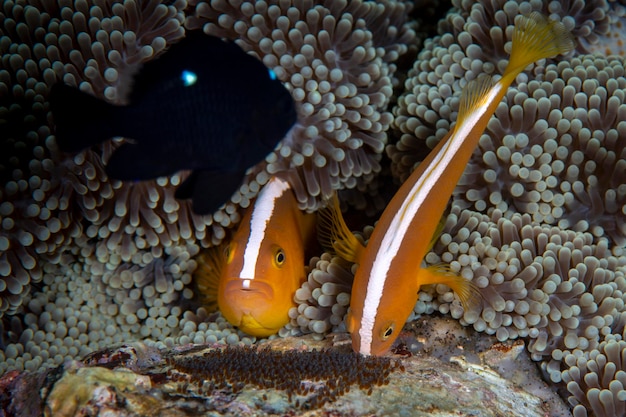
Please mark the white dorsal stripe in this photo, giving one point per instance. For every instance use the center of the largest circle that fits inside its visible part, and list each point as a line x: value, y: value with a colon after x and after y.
x: 399, y: 226
x: 263, y: 210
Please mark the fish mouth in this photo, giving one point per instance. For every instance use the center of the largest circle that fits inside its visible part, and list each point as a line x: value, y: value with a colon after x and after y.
x: 247, y: 286
x: 251, y: 305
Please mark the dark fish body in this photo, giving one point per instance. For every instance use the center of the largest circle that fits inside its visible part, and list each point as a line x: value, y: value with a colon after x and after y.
x: 218, y: 124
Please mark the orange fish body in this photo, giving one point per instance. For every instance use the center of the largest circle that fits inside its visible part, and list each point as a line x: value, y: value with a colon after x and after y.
x: 265, y: 261
x: 389, y: 273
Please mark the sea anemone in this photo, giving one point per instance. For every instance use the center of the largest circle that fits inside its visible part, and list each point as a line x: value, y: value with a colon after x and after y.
x: 323, y: 299
x: 557, y: 150
x: 596, y: 380
x: 50, y: 198
x: 45, y: 195
x: 92, y: 299
x: 475, y: 39
x: 554, y: 146
x: 336, y: 58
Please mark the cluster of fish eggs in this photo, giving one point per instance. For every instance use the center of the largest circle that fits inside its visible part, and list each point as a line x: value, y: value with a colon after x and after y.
x: 313, y: 377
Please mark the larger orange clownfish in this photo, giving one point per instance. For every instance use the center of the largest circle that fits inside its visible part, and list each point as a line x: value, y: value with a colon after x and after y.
x: 389, y: 274
x: 264, y: 263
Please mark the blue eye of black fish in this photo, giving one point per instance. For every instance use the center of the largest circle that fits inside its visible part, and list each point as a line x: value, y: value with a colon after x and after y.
x: 189, y: 78
x: 272, y: 74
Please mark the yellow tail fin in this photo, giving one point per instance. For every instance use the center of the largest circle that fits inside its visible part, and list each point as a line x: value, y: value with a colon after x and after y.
x: 536, y: 37
x: 333, y: 233
x: 442, y: 274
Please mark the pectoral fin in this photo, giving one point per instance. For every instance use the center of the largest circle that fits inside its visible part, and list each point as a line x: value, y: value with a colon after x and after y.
x: 207, y: 275
x: 438, y: 230
x: 209, y: 189
x: 351, y: 324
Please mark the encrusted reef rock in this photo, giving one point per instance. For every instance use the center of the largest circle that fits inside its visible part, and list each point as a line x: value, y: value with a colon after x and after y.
x: 438, y: 370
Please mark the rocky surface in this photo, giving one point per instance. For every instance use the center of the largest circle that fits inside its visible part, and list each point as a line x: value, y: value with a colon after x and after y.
x: 437, y: 370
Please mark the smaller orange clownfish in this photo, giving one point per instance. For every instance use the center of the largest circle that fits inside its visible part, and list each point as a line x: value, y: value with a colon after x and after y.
x: 263, y: 265
x: 389, y: 273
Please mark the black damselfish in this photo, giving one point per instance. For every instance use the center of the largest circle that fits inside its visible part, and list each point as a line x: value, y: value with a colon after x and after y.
x: 205, y: 105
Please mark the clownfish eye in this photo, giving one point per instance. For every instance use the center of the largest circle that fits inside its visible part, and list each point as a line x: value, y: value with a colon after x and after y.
x: 387, y: 331
x: 279, y: 257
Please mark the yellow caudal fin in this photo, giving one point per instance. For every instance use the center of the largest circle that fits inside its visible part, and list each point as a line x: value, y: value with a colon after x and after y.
x: 442, y: 274
x: 536, y: 37
x: 333, y: 233
x: 207, y: 275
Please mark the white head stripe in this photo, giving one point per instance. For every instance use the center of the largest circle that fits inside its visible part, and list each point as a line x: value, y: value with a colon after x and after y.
x: 261, y: 215
x: 402, y: 219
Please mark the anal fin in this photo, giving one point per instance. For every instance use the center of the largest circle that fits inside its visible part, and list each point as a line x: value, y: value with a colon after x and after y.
x: 467, y: 292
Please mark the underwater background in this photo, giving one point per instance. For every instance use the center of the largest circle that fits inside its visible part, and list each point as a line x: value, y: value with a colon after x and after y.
x: 537, y: 221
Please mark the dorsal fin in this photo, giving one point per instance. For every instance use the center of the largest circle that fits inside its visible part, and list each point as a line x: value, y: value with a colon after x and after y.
x: 437, y: 233
x: 474, y: 95
x: 333, y: 233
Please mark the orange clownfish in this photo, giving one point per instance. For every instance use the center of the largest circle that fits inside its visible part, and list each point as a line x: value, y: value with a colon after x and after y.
x: 389, y: 274
x: 264, y: 262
